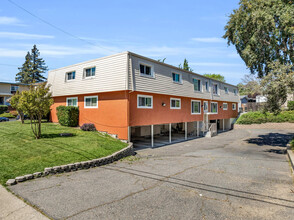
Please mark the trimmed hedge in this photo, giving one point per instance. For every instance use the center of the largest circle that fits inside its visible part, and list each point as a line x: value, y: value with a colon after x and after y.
x: 290, y: 106
x: 3, y: 108
x: 68, y: 115
x: 259, y: 117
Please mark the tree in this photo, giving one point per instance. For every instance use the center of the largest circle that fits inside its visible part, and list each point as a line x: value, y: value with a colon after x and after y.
x: 162, y: 60
x: 277, y: 85
x: 185, y: 66
x: 250, y: 86
x: 262, y: 32
x: 218, y: 77
x: 32, y: 69
x: 36, y: 103
x: 14, y: 101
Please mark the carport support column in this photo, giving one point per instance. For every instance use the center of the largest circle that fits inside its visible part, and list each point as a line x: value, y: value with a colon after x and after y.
x: 169, y: 131
x: 197, y: 128
x: 223, y: 124
x: 186, y: 131
x: 152, y: 136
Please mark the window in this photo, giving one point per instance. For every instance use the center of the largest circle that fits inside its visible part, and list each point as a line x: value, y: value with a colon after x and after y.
x: 207, y: 86
x: 197, y: 85
x: 13, y: 88
x: 195, y: 107
x: 226, y: 90
x: 177, y: 78
x: 70, y: 75
x: 73, y: 101
x: 175, y: 103
x: 213, y: 107
x: 205, y: 106
x: 145, y: 101
x: 215, y: 89
x: 235, y: 91
x: 234, y: 106
x: 89, y: 72
x: 146, y: 70
x: 91, y: 102
x: 225, y: 106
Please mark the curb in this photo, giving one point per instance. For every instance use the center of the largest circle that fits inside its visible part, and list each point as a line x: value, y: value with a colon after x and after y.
x: 290, y: 155
x: 128, y: 151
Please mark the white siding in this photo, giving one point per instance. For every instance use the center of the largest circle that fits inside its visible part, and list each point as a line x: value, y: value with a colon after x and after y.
x: 162, y: 82
x: 111, y: 75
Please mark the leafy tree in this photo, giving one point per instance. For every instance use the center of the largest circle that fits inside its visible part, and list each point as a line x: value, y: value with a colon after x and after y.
x: 185, y: 66
x: 262, y: 32
x: 36, y: 103
x: 250, y: 86
x: 32, y: 69
x: 215, y: 76
x: 14, y: 101
x: 277, y: 85
x: 162, y: 60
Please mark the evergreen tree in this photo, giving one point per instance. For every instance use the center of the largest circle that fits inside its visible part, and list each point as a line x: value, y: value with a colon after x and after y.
x: 185, y: 66
x: 25, y: 71
x: 32, y: 69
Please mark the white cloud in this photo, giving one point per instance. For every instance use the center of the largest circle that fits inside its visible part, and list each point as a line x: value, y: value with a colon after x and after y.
x: 12, y: 52
x: 10, y: 21
x: 17, y: 35
x: 208, y: 39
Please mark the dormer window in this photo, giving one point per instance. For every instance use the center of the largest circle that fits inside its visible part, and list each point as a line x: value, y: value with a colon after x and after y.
x: 89, y: 72
x: 146, y: 70
x: 215, y: 89
x: 177, y: 78
x: 13, y: 88
x: 235, y: 91
x: 70, y: 75
x: 226, y: 90
x: 197, y: 85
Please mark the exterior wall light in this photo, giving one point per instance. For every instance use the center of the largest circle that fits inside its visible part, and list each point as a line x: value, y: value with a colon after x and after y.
x: 163, y: 104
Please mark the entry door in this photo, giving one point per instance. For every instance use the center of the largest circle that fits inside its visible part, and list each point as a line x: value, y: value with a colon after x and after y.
x: 1, y: 100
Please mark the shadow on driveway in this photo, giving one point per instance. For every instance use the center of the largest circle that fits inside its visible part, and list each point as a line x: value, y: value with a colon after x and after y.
x: 271, y: 139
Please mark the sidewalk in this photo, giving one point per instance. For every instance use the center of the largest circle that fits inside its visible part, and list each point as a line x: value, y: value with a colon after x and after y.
x: 12, y: 207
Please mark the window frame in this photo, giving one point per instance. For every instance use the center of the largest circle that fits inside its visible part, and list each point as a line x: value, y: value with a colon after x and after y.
x: 212, y: 108
x: 151, y: 70
x: 226, y: 107
x: 76, y: 98
x: 226, y: 91
x: 201, y: 86
x: 207, y: 88
x: 66, y: 76
x: 235, y: 91
x: 207, y: 106
x: 95, y: 96
x: 180, y: 77
x: 14, y: 86
x: 234, y: 104
x: 176, y: 99
x: 144, y: 96
x: 84, y: 72
x: 197, y: 113
x: 215, y: 84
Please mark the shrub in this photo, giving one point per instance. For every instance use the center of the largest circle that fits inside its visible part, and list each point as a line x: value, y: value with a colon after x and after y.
x: 259, y: 117
x: 291, y: 106
x: 7, y: 115
x: 88, y: 127
x: 292, y: 144
x: 14, y: 113
x: 68, y: 116
x: 3, y: 108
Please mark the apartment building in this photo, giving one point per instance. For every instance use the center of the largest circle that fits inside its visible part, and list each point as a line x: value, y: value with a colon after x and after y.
x: 9, y: 89
x: 142, y: 100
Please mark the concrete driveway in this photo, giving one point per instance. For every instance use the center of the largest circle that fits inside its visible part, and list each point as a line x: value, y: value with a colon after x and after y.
x: 240, y: 174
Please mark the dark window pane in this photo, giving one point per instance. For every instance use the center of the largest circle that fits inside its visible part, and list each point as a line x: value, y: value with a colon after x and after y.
x: 148, y: 70
x: 142, y: 69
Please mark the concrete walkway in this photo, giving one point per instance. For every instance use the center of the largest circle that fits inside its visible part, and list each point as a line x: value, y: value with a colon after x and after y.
x: 12, y: 207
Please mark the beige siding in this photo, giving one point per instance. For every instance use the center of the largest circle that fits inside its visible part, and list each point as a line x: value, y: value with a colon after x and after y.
x: 5, y: 88
x: 162, y: 82
x: 111, y: 75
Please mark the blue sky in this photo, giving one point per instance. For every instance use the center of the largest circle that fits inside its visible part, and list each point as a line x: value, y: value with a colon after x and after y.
x: 156, y: 29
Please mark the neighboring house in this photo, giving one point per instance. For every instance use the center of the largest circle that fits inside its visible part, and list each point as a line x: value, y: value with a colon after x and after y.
x: 247, y: 103
x: 9, y: 89
x: 141, y: 99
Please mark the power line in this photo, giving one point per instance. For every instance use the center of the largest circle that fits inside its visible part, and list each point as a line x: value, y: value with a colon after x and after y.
x: 60, y: 29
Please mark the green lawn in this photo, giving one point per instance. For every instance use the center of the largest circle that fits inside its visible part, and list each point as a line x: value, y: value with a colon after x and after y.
x: 21, y: 153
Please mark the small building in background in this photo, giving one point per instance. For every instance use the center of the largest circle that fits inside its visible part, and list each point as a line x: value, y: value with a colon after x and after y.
x: 7, y: 90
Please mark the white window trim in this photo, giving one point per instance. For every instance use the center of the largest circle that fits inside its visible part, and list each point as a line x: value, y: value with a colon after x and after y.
x: 14, y: 87
x: 191, y: 107
x: 89, y: 77
x: 181, y: 77
x: 218, y: 92
x: 66, y: 76
x: 236, y: 91
x: 95, y: 96
x: 206, y: 81
x: 145, y: 96
x: 224, y: 107
x: 225, y: 90
x: 234, y: 104
x: 145, y: 75
x: 76, y: 98
x: 176, y: 99
x: 201, y: 86
x: 207, y: 106
x: 216, y: 108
